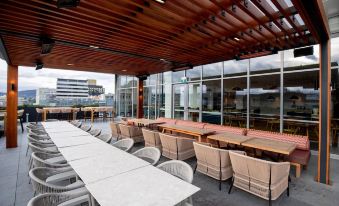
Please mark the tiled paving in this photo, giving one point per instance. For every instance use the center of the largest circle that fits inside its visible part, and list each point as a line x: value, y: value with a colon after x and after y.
x: 15, y: 190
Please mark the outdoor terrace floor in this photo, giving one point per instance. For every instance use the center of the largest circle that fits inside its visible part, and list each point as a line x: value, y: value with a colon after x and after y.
x: 15, y: 190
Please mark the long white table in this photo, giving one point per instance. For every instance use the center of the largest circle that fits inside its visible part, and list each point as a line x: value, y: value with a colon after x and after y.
x: 115, y: 177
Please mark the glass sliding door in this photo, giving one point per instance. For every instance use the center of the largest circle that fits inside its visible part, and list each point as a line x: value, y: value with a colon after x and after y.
x: 186, y: 101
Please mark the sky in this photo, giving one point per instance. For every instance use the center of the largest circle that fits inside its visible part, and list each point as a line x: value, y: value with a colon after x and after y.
x: 29, y: 78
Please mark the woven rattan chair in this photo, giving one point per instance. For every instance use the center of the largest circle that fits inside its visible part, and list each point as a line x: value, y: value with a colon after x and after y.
x: 124, y: 144
x: 152, y: 138
x: 71, y: 198
x: 95, y: 132
x: 149, y: 154
x: 86, y: 128
x: 115, y: 130
x: 38, y: 139
x: 105, y: 137
x: 41, y: 159
x: 52, y: 180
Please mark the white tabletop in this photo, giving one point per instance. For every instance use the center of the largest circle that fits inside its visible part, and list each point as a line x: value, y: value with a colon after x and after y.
x: 104, y: 166
x: 68, y: 134
x: 144, y: 186
x: 61, y: 142
x: 85, y: 151
x: 54, y: 124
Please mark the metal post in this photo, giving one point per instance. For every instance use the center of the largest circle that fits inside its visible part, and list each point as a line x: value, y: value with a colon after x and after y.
x: 281, y: 91
x: 248, y: 95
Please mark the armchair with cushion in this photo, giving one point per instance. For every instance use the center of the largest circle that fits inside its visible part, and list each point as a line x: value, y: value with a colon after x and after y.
x: 265, y: 179
x: 177, y: 148
x: 128, y: 131
x: 152, y: 138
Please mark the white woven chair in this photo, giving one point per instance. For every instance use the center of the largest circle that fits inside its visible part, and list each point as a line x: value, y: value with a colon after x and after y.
x: 34, y: 126
x: 181, y: 170
x: 74, y: 122
x: 78, y: 125
x: 44, y: 148
x: 149, y: 154
x: 71, y: 198
x: 41, y: 159
x: 52, y: 180
x: 86, y: 128
x: 38, y: 139
x: 37, y: 131
x: 124, y: 144
x: 105, y: 137
x: 95, y: 132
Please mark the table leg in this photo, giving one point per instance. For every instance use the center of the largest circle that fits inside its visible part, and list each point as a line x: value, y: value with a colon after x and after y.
x: 199, y: 138
x: 44, y: 116
x: 92, y: 116
x: 218, y: 142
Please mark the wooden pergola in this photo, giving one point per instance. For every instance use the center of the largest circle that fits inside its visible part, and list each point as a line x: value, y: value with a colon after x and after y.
x: 142, y: 37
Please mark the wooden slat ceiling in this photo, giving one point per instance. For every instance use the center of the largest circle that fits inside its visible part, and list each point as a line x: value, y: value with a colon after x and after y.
x: 143, y: 37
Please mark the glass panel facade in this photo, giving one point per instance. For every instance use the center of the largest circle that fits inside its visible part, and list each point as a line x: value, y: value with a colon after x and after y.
x: 220, y: 94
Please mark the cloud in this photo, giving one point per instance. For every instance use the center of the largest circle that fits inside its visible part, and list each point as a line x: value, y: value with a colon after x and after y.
x: 29, y: 78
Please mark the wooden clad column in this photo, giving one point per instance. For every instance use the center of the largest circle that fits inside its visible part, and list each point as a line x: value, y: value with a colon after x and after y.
x: 12, y: 107
x: 140, y: 111
x: 324, y: 113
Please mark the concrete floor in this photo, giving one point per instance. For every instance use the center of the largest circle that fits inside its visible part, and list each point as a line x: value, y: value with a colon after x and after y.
x: 15, y: 190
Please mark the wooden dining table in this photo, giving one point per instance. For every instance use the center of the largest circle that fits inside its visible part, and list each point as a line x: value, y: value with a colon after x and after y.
x: 142, y: 122
x: 279, y: 147
x: 193, y: 131
x: 229, y: 138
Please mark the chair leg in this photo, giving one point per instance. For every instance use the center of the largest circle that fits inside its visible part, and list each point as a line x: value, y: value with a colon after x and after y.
x: 220, y: 180
x: 22, y: 126
x: 27, y: 151
x: 231, y: 186
x: 270, y: 198
x: 195, y: 168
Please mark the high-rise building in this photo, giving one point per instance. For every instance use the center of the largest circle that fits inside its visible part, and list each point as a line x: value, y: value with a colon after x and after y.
x: 71, y: 89
x: 45, y: 96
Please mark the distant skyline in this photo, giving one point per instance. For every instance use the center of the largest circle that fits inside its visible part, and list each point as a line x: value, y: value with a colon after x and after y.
x: 29, y: 78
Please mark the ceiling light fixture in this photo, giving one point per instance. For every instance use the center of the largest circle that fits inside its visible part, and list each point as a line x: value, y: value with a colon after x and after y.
x: 70, y: 64
x: 67, y: 3
x: 93, y: 47
x: 124, y: 70
x: 47, y: 45
x: 237, y: 39
x: 160, y: 1
x: 39, y: 65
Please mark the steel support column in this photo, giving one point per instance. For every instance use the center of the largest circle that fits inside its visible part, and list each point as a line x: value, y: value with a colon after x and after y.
x: 324, y: 113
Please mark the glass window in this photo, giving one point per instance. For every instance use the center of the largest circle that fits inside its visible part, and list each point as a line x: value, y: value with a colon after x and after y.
x: 179, y: 100
x: 152, y: 93
x: 194, y: 74
x: 265, y: 64
x: 122, y: 108
x: 235, y: 101
x: 128, y: 102
x: 135, y: 102
x: 211, y: 101
x: 235, y: 68
x: 211, y: 96
x: 122, y: 81
x: 146, y: 101
x: 301, y: 103
x: 177, y: 76
x: 164, y: 101
x: 265, y: 102
x: 299, y: 63
x: 166, y: 77
x: 194, y: 99
x: 211, y: 71
x: 130, y: 81
x: 152, y: 79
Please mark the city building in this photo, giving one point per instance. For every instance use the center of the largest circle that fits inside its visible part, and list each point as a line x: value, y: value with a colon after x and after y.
x: 72, y: 89
x: 45, y: 96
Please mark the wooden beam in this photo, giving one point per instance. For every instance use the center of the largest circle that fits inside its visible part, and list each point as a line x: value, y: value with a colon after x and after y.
x: 3, y: 51
x: 324, y: 113
x: 12, y: 107
x: 140, y: 110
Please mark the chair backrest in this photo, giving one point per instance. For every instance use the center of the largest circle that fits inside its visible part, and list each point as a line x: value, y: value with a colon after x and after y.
x: 95, y: 132
x: 115, y: 128
x: 179, y: 169
x: 151, y: 137
x: 124, y: 144
x: 86, y: 128
x: 36, y: 147
x: 105, y: 137
x: 215, y: 157
x: 55, y: 199
x: 168, y: 141
x: 40, y: 159
x: 21, y: 113
x: 149, y: 154
x: 124, y: 130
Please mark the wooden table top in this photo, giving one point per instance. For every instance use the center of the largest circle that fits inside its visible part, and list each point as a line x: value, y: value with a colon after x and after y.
x: 276, y: 146
x: 187, y: 129
x: 230, y: 138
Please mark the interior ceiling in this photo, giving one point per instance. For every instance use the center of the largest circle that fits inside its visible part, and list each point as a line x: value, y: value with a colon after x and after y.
x: 144, y: 37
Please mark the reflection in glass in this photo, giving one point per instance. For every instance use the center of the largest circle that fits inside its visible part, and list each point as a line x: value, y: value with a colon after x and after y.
x: 235, y: 68
x: 128, y: 102
x: 211, y: 71
x: 299, y: 63
x: 164, y: 101
x: 122, y: 102
x: 211, y: 101
x: 146, y: 100
x: 135, y: 100
x: 265, y: 102
x: 194, y: 74
x: 176, y: 76
x: 179, y: 100
x: 194, y: 98
x: 265, y: 64
x: 235, y: 101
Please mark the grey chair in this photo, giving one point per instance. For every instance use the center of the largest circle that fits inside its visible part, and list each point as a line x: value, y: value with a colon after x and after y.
x: 86, y: 128
x: 105, y: 137
x: 149, y: 154
x: 124, y: 144
x: 95, y: 132
x: 41, y: 159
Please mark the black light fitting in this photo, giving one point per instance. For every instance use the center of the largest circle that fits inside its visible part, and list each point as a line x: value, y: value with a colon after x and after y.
x: 47, y: 45
x: 39, y: 65
x: 67, y: 3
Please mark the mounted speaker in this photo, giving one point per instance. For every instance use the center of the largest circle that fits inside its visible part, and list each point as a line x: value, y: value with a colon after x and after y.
x: 306, y: 51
